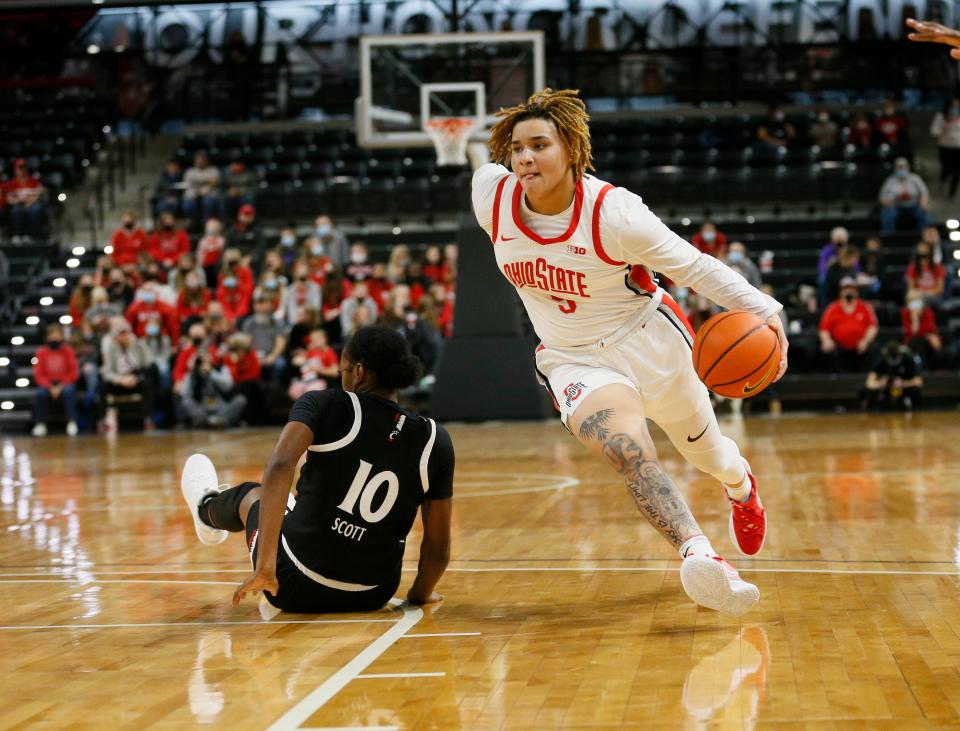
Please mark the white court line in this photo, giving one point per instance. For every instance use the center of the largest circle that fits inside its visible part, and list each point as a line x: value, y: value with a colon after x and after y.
x: 192, y: 624
x: 350, y: 728
x: 442, y: 634
x: 399, y: 675
x: 336, y: 682
x: 84, y: 582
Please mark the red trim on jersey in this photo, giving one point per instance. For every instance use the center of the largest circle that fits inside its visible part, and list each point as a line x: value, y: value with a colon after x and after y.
x: 641, y: 277
x: 672, y: 304
x: 597, y: 244
x: 496, y: 208
x: 574, y: 219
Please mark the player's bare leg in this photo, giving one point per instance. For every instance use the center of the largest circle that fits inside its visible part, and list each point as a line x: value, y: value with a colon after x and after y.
x: 612, y: 423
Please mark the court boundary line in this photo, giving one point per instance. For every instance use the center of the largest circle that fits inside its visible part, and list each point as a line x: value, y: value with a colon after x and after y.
x: 134, y: 625
x: 319, y: 696
x: 376, y: 676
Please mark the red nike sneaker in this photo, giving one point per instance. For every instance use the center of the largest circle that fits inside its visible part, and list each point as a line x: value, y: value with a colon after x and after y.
x: 748, y: 521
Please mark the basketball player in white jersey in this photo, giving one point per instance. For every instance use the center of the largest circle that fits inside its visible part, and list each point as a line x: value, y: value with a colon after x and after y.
x: 615, y: 347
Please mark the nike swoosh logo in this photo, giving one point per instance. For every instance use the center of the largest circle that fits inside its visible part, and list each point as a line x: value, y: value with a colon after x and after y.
x: 693, y: 439
x: 508, y: 238
x: 748, y: 388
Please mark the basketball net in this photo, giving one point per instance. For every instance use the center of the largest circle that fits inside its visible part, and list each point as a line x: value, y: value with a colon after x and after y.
x: 450, y: 136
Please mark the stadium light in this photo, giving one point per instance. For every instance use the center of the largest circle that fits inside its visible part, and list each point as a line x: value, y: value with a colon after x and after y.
x: 953, y: 223
x: 73, y: 263
x: 34, y: 360
x: 60, y: 282
x: 4, y: 362
x: 397, y: 230
x: 751, y: 219
x: 23, y: 382
x: 93, y: 49
x: 33, y: 320
x: 16, y: 340
x: 955, y: 235
x: 65, y: 319
x: 6, y: 405
x: 956, y: 254
x: 62, y: 197
x: 46, y: 301
x: 78, y: 251
x: 685, y: 221
x: 108, y: 249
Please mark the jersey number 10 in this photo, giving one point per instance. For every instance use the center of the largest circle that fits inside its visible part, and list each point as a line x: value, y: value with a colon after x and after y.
x: 366, y: 491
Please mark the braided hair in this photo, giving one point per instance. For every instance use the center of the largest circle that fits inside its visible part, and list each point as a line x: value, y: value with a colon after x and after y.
x: 568, y: 113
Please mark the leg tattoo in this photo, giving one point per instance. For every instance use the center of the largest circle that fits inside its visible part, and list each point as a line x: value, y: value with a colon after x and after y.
x: 656, y: 496
x: 595, y: 426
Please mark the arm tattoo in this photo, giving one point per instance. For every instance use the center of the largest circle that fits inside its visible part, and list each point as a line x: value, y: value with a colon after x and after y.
x: 656, y: 496
x: 595, y: 426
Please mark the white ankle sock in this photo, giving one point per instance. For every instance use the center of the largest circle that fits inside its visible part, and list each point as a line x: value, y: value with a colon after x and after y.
x: 699, y: 545
x: 740, y: 493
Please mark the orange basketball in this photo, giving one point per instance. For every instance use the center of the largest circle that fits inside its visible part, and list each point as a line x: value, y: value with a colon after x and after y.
x: 736, y: 354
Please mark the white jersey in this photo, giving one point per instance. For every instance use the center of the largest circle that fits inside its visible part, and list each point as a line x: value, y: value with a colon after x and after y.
x: 583, y: 273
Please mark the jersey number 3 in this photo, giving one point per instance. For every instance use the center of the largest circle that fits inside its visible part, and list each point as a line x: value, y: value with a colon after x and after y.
x: 366, y: 490
x: 567, y: 307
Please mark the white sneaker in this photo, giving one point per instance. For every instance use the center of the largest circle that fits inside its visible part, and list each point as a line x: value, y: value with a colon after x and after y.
x: 713, y: 583
x: 198, y: 480
x: 40, y: 430
x: 72, y: 429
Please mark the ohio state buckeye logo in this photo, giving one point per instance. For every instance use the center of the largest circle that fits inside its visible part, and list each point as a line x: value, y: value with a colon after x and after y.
x: 572, y: 392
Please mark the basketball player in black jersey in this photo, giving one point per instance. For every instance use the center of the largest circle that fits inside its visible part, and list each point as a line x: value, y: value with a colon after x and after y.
x: 370, y: 465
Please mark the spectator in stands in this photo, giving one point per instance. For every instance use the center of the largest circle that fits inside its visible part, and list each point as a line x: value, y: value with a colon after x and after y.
x: 775, y: 131
x: 848, y: 328
x: 444, y: 303
x: 86, y: 348
x: 824, y: 132
x: 333, y: 240
x: 160, y: 347
x: 152, y: 274
x: 273, y: 263
x: 81, y: 298
x: 192, y: 301
x: 119, y: 289
x: 894, y: 381
x: 197, y: 340
x: 186, y: 265
x: 287, y: 249
x: 238, y: 182
x: 378, y: 286
x: 234, y: 298
x: 860, y: 131
x: 416, y: 281
x: 207, y: 397
x: 319, y: 264
x: 23, y: 194
x: 422, y: 326
x: 145, y: 305
x: 127, y: 241
x: 738, y: 260
x: 299, y: 336
x: 925, y: 278
x: 891, y: 125
x: 397, y: 265
x: 233, y: 265
x: 359, y: 266
x: 101, y: 272
x: 169, y: 194
x: 711, y: 241
x: 168, y: 242
x: 931, y: 236
x: 839, y: 238
x: 920, y: 329
x: 945, y: 128
x: 201, y: 199
x: 904, y: 195
x: 271, y: 288
x: 845, y: 266
x: 217, y: 324
x: 362, y: 316
x: 210, y: 249
x: 450, y: 255
x: 434, y: 267
x: 55, y: 373
x: 101, y: 311
x: 245, y: 233
x: 267, y: 336
x: 244, y: 366
x: 301, y: 294
x: 128, y: 369
x: 330, y: 308
x: 318, y: 364
x: 872, y: 266
x: 359, y: 296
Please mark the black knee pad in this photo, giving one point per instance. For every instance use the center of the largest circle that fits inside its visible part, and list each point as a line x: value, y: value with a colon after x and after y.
x: 223, y: 510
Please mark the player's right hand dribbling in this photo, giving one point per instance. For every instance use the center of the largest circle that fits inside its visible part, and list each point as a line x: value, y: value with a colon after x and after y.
x: 260, y: 581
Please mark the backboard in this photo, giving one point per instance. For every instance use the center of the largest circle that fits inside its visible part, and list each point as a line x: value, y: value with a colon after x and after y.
x: 408, y: 79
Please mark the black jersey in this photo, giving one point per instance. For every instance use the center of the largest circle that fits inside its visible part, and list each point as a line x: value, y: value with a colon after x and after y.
x: 370, y: 466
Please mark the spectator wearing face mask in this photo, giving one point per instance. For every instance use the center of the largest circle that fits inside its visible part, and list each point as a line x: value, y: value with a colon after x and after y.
x: 55, y: 373
x: 287, y: 250
x: 245, y: 369
x: 160, y: 347
x: 219, y: 326
x: 824, y: 132
x: 192, y: 300
x: 119, y: 289
x: 153, y: 275
x: 207, y: 397
x: 738, y: 260
x: 267, y: 338
x: 839, y: 238
x: 848, y: 328
x: 945, y: 128
x: 904, y: 196
x: 319, y: 264
x: 302, y: 293
x: 234, y: 298
x: 233, y: 265
x: 128, y: 369
x: 891, y: 125
x: 359, y: 266
x: 710, y: 241
x: 895, y: 380
x: 197, y: 341
x: 210, y: 249
x: 925, y: 278
x: 920, y: 329
x: 186, y: 265
x: 397, y: 265
x: 333, y: 240
x: 271, y: 289
x: 775, y: 131
x: 127, y: 241
x: 168, y: 242
x: 860, y: 131
x: 101, y: 311
x: 359, y: 296
x: 144, y: 306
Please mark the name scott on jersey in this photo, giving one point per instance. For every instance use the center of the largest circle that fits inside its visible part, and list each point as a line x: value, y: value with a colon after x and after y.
x: 547, y: 277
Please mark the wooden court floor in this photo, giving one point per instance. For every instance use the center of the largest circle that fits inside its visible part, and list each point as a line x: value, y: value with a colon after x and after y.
x: 563, y: 609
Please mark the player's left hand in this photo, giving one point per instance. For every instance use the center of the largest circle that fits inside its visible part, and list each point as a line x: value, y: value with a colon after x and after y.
x: 776, y: 324
x: 929, y: 32
x: 260, y: 581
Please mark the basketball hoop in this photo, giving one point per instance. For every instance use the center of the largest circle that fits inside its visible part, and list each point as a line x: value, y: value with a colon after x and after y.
x: 450, y: 136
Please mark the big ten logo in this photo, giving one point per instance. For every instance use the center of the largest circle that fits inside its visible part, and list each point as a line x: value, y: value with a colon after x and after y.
x: 364, y: 489
x: 578, y: 250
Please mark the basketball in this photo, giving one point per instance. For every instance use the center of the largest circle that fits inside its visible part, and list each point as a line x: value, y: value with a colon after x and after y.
x: 736, y: 354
